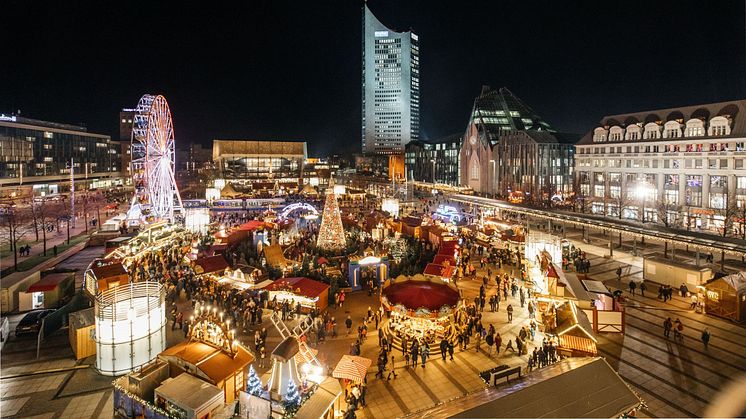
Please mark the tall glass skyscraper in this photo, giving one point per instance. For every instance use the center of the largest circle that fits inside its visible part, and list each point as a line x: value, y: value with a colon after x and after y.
x: 391, y: 87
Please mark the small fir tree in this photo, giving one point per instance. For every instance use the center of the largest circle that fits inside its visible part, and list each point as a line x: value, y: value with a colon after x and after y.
x: 254, y: 383
x: 292, y: 396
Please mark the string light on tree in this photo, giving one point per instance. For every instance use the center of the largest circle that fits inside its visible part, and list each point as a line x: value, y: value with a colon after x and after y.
x: 331, y: 232
x: 292, y: 397
x: 254, y: 384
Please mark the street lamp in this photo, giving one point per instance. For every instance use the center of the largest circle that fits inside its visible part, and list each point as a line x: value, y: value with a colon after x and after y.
x: 642, y: 190
x: 433, y: 162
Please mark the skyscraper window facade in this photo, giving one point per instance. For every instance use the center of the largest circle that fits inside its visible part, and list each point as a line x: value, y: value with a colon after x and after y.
x: 391, y: 87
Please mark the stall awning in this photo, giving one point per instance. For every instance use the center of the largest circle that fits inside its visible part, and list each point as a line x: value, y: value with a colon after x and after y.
x: 252, y: 225
x: 440, y: 259
x: 188, y: 391
x: 48, y: 283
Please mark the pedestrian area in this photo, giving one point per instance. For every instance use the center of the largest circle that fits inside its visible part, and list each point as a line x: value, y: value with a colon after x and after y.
x: 674, y: 379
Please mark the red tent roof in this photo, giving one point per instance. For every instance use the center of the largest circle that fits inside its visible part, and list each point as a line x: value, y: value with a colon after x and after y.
x: 252, y: 225
x: 306, y: 287
x: 48, y: 283
x: 416, y: 294
x: 439, y: 259
x: 448, y: 246
x: 439, y: 270
x: 322, y: 261
x: 212, y: 263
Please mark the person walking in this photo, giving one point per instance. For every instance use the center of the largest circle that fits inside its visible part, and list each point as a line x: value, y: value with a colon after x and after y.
x: 642, y: 288
x: 678, y: 331
x: 450, y: 350
x: 424, y: 353
x: 490, y: 340
x: 632, y: 287
x: 443, y: 348
x: 348, y: 324
x: 667, y: 325
x: 706, y: 336
x: 510, y: 313
x: 393, y: 371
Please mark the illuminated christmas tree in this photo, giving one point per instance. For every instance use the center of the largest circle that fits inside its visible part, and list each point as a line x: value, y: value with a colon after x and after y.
x: 254, y: 383
x: 292, y: 397
x: 331, y: 232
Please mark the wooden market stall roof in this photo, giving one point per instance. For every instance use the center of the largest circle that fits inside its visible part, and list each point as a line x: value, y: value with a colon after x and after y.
x: 590, y: 389
x: 439, y: 270
x: 306, y: 287
x: 572, y: 321
x: 210, y: 264
x: 321, y: 400
x: 49, y: 282
x: 580, y: 344
x: 440, y: 259
x: 275, y: 257
x: 252, y: 225
x: 214, y: 363
x: 108, y: 271
x: 189, y: 391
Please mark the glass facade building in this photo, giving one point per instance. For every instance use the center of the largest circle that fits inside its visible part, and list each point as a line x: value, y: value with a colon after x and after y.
x: 435, y: 161
x: 260, y: 164
x: 37, y: 154
x: 391, y: 87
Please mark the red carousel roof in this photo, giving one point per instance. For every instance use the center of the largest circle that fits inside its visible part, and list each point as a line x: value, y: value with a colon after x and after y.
x: 416, y: 294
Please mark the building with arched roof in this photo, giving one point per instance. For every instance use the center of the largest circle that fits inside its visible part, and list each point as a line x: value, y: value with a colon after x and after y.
x: 681, y: 167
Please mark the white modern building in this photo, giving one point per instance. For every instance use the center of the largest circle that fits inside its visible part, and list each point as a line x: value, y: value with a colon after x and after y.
x: 391, y: 87
x: 681, y: 167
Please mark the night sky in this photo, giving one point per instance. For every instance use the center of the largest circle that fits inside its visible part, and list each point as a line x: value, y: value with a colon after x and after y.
x: 291, y: 69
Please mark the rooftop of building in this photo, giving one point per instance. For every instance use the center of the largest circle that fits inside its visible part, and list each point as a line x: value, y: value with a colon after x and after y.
x: 734, y: 110
x: 499, y: 111
x: 222, y: 147
x: 7, y: 119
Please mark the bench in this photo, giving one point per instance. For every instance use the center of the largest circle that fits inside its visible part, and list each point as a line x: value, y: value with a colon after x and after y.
x: 487, y: 375
x: 505, y: 374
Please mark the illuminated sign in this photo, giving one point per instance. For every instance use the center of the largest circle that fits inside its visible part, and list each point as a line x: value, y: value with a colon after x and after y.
x: 713, y: 296
x: 369, y: 260
x: 7, y: 118
x: 380, y: 34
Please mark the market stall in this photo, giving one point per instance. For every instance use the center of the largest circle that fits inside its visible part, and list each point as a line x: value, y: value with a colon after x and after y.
x: 726, y: 297
x: 210, y: 265
x: 308, y: 292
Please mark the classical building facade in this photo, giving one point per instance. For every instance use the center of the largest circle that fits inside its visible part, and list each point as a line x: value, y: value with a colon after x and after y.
x: 35, y: 157
x: 434, y: 160
x: 391, y: 87
x: 680, y: 167
x: 508, y: 149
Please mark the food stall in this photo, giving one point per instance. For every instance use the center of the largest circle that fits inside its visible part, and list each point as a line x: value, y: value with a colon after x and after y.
x: 308, y: 292
x: 51, y: 291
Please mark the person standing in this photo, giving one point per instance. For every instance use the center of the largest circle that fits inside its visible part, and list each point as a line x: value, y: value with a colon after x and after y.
x: 510, y: 313
x: 443, y: 348
x: 706, y: 336
x: 642, y: 288
x: 348, y: 324
x: 632, y: 287
x: 490, y: 340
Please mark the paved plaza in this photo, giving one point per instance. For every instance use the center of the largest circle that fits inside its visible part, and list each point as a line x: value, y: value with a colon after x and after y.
x: 674, y: 379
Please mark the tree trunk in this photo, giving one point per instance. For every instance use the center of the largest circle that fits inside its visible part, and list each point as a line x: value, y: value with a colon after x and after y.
x: 665, y: 249
x: 44, y: 234
x: 722, y: 260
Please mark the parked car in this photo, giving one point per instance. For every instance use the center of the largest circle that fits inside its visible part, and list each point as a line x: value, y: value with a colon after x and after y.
x: 31, y: 322
x: 4, y: 331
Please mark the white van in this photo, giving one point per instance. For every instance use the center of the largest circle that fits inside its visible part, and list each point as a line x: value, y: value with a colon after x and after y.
x: 4, y: 331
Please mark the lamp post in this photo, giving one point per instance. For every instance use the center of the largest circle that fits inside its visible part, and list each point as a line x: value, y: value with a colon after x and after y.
x: 433, y: 162
x: 642, y: 191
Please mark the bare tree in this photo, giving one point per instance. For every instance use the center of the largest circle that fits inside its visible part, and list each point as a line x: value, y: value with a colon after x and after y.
x: 729, y: 214
x: 622, y: 201
x: 19, y: 222
x: 740, y: 220
x: 663, y: 208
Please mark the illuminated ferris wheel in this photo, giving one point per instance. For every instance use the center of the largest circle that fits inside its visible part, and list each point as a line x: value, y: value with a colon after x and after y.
x: 156, y: 193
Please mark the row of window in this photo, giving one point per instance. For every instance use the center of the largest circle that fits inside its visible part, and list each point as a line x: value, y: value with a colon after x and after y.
x: 718, y: 126
x: 666, y: 163
x: 667, y: 148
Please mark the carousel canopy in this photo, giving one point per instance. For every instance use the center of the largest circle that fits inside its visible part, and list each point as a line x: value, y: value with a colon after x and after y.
x: 416, y: 293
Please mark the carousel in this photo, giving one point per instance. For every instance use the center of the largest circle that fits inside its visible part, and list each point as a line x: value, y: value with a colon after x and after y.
x: 421, y: 308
